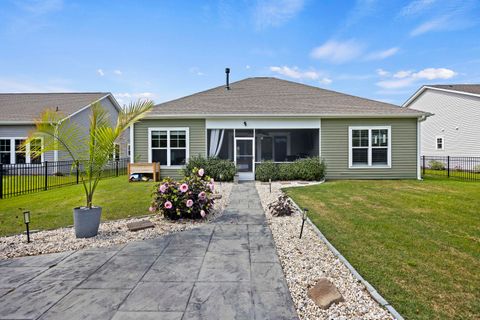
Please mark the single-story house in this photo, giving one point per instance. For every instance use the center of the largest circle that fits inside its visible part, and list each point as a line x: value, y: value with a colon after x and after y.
x: 454, y: 129
x: 260, y: 119
x: 18, y: 112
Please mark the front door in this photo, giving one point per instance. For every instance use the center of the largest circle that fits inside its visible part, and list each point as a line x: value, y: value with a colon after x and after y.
x: 244, y: 158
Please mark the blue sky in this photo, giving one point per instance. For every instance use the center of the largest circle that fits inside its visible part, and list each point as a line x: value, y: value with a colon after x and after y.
x: 162, y: 50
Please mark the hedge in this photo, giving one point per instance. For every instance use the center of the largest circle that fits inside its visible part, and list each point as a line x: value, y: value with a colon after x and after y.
x: 310, y: 169
x: 218, y: 169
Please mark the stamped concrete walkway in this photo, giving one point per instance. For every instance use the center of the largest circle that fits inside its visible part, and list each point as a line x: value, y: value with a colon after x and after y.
x: 225, y: 270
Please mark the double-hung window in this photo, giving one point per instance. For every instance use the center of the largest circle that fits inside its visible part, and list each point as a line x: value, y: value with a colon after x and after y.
x: 168, y: 146
x: 369, y: 147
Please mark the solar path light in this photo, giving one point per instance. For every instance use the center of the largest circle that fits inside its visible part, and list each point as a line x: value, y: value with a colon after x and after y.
x: 304, y: 217
x: 26, y: 219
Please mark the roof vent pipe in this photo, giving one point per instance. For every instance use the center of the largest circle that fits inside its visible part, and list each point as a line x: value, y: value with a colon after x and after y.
x: 227, y: 74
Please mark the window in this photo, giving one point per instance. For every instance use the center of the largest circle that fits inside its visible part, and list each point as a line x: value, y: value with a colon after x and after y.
x: 440, y: 145
x: 35, y: 148
x: 12, y: 152
x: 20, y: 153
x: 5, y: 148
x: 168, y: 146
x: 369, y: 146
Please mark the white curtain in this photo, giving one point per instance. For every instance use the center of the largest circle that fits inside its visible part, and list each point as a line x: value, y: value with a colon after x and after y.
x: 216, y: 139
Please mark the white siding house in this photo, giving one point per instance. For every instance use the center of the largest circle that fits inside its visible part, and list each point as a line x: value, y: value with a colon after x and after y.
x: 454, y: 127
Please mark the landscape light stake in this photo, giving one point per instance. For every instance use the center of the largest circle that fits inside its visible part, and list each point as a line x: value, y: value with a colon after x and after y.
x: 270, y: 183
x: 26, y: 219
x: 304, y: 217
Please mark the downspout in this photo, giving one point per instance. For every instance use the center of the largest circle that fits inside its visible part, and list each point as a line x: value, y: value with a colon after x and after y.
x: 419, y: 145
x: 132, y: 146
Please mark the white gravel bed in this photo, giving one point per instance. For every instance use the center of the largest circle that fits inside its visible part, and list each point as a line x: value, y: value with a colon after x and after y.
x: 306, y: 260
x: 110, y: 232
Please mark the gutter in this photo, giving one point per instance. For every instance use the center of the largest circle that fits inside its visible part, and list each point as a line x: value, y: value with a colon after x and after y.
x: 371, y: 290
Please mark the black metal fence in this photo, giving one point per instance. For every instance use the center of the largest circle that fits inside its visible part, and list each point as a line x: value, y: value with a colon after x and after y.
x: 22, y: 178
x: 466, y: 168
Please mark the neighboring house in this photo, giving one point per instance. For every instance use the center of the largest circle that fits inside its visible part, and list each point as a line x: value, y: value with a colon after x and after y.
x: 19, y: 110
x: 260, y: 119
x: 454, y: 127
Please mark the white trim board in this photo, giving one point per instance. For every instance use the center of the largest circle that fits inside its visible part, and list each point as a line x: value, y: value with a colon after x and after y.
x: 255, y: 123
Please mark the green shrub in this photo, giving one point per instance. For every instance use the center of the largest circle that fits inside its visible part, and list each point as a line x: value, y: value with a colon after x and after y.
x: 266, y: 170
x: 218, y: 169
x: 310, y: 169
x: 477, y: 169
x: 436, y: 165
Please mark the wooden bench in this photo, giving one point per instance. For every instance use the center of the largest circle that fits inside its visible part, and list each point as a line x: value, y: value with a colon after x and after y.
x: 144, y: 167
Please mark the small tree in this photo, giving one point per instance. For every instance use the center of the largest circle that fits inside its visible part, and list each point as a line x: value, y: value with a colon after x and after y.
x: 90, y: 148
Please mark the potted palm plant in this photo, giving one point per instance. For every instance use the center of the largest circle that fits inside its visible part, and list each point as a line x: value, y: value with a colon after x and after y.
x: 89, y: 148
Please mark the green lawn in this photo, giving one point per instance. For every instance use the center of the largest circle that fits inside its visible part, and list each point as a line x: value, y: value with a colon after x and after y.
x: 417, y: 242
x: 53, y: 208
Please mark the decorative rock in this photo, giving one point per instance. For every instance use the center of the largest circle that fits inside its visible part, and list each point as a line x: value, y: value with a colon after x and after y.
x: 217, y: 196
x: 324, y: 293
x: 140, y: 225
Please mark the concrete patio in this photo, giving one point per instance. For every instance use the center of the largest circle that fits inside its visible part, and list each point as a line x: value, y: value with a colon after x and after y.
x: 225, y: 270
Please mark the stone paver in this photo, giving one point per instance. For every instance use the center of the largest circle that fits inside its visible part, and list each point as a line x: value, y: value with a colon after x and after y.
x: 225, y: 270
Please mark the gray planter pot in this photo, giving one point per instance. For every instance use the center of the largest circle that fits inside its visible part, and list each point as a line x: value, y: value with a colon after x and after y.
x: 86, y: 221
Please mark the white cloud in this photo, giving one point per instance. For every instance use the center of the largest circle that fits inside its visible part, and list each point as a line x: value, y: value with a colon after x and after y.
x: 435, y: 73
x: 447, y: 15
x: 395, y: 84
x: 100, y: 72
x: 402, y: 74
x: 380, y: 55
x: 416, y: 7
x: 273, y: 13
x: 247, y: 67
x: 296, y: 73
x: 432, y: 25
x: 196, y: 71
x: 127, y: 97
x: 405, y: 78
x: 117, y: 72
x: 326, y: 80
x: 382, y: 73
x: 338, y: 51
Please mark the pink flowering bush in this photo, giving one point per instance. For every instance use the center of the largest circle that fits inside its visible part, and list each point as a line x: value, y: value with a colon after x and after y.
x: 190, y: 198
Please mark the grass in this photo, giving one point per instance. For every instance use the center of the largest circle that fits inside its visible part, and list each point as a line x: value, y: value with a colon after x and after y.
x: 54, y: 208
x: 416, y: 242
x: 457, y: 174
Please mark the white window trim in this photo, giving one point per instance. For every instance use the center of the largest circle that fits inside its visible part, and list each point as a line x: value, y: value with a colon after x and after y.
x: 187, y: 145
x: 443, y: 143
x: 27, y: 151
x: 370, y: 165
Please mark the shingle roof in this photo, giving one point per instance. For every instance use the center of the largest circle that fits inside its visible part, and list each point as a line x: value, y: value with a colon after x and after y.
x: 25, y: 107
x: 272, y: 96
x: 468, y: 88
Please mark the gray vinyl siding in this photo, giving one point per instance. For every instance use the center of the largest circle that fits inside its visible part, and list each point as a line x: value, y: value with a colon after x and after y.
x: 334, y: 144
x: 83, y: 119
x: 21, y: 131
x: 197, y: 139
